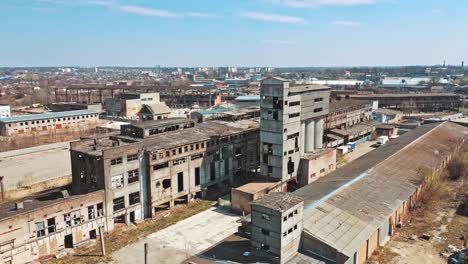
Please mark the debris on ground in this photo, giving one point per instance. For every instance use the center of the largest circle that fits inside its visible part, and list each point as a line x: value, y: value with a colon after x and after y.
x: 425, y: 236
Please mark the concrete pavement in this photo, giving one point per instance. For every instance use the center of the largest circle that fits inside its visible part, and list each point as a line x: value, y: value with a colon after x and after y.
x: 182, y: 240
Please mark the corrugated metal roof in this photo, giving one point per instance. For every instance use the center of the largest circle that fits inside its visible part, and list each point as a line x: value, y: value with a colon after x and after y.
x: 248, y: 98
x: 51, y: 115
x: 346, y: 207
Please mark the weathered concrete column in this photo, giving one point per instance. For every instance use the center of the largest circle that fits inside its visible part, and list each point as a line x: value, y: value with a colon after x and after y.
x: 309, y: 135
x: 302, y: 138
x: 319, y: 133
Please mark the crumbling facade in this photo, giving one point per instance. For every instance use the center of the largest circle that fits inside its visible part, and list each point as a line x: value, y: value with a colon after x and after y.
x: 292, y: 123
x: 143, y: 174
x: 44, y: 226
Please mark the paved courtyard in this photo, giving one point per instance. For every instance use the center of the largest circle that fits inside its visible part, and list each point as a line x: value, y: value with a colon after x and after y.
x: 182, y: 240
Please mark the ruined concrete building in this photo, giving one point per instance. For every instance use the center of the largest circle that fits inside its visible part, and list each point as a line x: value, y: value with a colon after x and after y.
x: 292, y: 124
x: 158, y: 164
x: 127, y: 177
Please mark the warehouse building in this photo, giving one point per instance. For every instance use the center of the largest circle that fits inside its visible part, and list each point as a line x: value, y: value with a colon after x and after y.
x: 426, y: 102
x: 49, y: 122
x: 349, y: 120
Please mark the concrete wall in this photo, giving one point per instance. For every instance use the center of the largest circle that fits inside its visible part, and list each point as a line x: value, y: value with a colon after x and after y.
x: 35, y: 169
x: 240, y: 201
x: 25, y: 244
x: 311, y: 170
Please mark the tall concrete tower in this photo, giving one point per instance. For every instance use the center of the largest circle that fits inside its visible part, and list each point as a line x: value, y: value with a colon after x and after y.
x: 292, y: 120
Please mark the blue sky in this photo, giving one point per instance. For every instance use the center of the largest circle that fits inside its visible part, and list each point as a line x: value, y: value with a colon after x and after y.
x: 233, y: 32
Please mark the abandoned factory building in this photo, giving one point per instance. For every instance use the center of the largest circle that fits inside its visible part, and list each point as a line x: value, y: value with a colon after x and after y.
x: 343, y: 217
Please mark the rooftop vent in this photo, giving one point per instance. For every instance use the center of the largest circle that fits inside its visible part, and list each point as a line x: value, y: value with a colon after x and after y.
x: 19, y: 205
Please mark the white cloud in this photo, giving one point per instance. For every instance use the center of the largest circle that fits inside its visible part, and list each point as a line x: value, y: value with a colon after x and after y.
x: 274, y: 18
x: 317, y: 3
x: 132, y: 9
x: 347, y: 23
x: 146, y: 11
x: 277, y: 42
x: 200, y: 15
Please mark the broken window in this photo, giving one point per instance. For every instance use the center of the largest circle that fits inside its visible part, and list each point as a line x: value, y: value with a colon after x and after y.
x: 76, y: 217
x: 119, y: 203
x: 180, y: 182
x: 294, y: 115
x: 116, y: 161
x: 265, y: 232
x: 290, y: 166
x: 316, y: 110
x: 132, y: 157
x: 295, y: 103
x: 67, y: 220
x: 134, y: 198
x: 166, y: 183
x: 51, y: 225
x: 117, y: 181
x: 161, y: 166
x: 318, y: 99
x: 197, y: 176
x: 196, y: 156
x: 212, y: 172
x: 295, y: 135
x: 100, y: 209
x: 133, y: 176
x: 91, y: 213
x: 40, y: 229
x: 178, y: 161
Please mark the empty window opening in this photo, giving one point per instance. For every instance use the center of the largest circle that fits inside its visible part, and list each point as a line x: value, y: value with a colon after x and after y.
x: 180, y: 182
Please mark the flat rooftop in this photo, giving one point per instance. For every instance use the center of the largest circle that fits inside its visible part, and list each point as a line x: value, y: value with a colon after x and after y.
x: 347, y: 103
x: 279, y: 201
x: 308, y: 87
x: 160, y: 122
x: 403, y: 95
x: 317, y: 153
x: 255, y: 187
x: 37, y: 202
x: 34, y: 165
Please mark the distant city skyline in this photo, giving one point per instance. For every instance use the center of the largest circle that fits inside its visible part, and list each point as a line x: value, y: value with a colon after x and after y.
x: 250, y: 33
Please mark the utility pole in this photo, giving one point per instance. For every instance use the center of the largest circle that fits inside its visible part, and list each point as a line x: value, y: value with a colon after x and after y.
x: 146, y: 253
x: 103, y: 248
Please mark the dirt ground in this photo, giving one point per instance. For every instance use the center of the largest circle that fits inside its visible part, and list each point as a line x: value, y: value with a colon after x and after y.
x: 124, y: 236
x: 436, y: 216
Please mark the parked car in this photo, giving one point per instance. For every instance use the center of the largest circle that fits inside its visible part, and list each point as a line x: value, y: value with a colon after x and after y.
x: 382, y: 140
